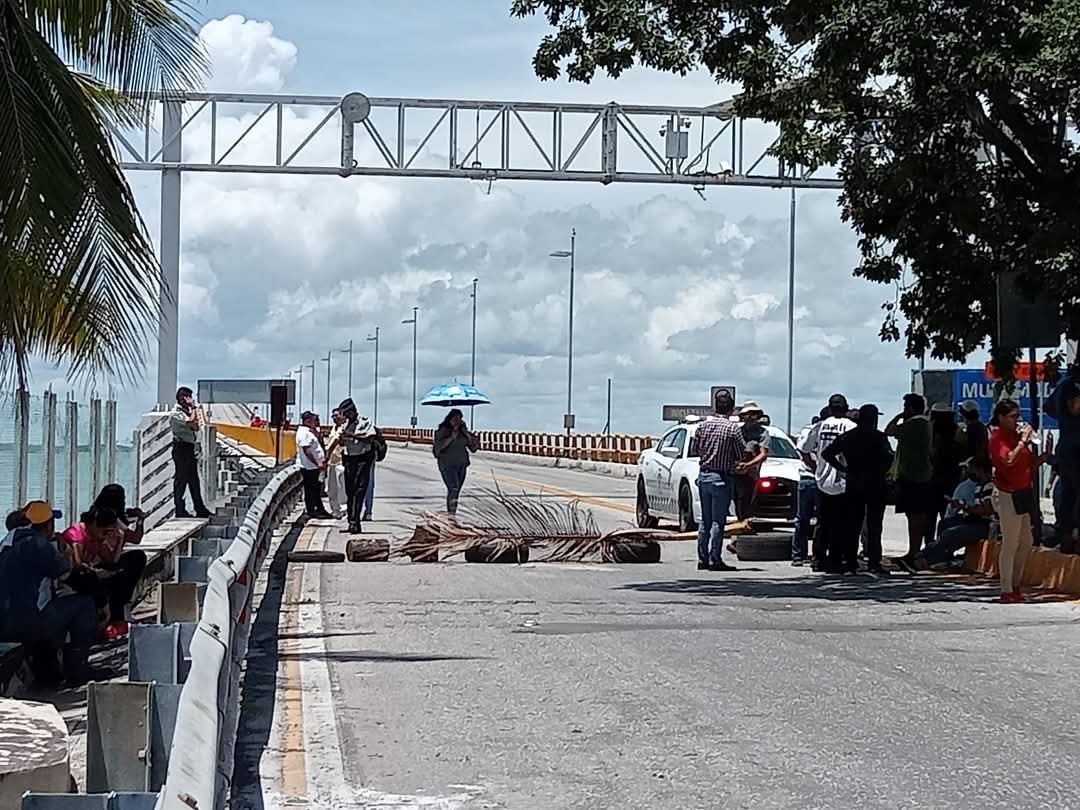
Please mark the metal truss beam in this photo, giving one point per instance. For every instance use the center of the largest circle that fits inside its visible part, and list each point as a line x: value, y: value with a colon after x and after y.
x: 463, y: 139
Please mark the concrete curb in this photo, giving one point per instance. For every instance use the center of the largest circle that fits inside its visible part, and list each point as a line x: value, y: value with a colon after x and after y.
x: 613, y: 469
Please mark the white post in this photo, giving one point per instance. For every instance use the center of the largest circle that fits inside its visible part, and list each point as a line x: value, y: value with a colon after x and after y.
x: 48, y: 448
x: 71, y: 445
x: 110, y: 441
x: 95, y: 447
x: 169, y: 252
x: 22, y: 445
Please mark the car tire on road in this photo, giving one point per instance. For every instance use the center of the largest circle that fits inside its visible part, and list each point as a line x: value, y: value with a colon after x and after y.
x: 763, y: 547
x: 686, y: 509
x: 644, y: 519
x: 497, y: 553
x: 374, y: 549
x: 631, y: 551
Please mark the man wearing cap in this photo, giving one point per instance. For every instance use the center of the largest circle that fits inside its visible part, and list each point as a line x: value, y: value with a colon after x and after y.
x: 756, y: 437
x: 721, y: 450
x: 972, y: 432
x: 362, y: 443
x: 184, y: 422
x: 30, y: 560
x: 863, y: 456
x: 834, y: 517
x: 311, y: 458
x: 914, y: 471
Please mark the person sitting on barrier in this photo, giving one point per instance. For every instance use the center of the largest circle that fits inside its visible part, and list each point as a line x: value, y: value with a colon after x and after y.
x: 97, y: 543
x: 30, y: 559
x: 967, y: 519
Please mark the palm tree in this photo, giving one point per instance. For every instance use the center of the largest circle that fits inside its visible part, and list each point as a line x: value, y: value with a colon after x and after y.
x: 79, y: 281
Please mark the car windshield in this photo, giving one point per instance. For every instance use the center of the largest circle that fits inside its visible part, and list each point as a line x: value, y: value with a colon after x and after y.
x: 779, y: 447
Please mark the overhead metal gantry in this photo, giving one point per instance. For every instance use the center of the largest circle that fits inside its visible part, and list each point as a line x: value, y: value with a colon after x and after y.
x: 700, y: 147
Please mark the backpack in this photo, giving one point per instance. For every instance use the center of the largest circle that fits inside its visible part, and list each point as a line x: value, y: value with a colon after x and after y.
x: 380, y: 445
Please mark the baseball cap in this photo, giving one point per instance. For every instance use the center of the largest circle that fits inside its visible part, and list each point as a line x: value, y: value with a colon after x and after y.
x: 38, y: 512
x: 869, y: 409
x: 307, y: 415
x: 969, y: 406
x: 838, y: 401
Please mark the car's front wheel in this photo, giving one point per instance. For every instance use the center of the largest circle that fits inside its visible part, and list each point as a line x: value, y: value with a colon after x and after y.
x: 644, y: 519
x: 686, y: 509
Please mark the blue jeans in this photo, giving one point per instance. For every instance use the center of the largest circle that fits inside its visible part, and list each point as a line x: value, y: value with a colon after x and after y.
x: 716, y: 490
x: 454, y: 478
x: 805, y: 511
x: 370, y: 496
x: 66, y: 622
x: 953, y: 536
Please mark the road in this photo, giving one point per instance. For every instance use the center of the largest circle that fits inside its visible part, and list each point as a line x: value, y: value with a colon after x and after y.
x: 542, y: 687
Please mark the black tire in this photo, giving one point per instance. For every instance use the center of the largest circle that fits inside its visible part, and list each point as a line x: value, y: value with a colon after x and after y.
x: 686, y: 509
x: 312, y: 556
x: 644, y: 519
x: 497, y: 553
x: 763, y: 547
x: 375, y: 549
x: 631, y: 551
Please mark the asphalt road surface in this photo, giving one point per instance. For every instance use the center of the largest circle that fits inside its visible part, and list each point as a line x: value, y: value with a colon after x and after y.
x: 550, y: 686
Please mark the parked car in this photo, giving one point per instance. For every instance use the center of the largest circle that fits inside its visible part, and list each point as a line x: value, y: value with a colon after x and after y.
x: 668, y: 471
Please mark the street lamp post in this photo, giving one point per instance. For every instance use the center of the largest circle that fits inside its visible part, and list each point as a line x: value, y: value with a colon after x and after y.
x: 472, y: 377
x: 568, y: 418
x: 311, y: 365
x: 348, y: 351
x: 327, y: 359
x: 300, y: 389
x: 375, y: 409
x: 414, y: 320
x: 791, y: 313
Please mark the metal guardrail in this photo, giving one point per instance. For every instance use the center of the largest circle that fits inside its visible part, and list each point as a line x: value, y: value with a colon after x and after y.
x: 616, y: 448
x: 201, y: 757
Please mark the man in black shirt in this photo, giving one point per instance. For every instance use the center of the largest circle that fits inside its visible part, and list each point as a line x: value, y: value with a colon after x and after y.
x: 864, y: 456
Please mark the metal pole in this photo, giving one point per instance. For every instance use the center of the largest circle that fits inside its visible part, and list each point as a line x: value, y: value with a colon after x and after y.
x: 300, y: 389
x: 375, y: 410
x: 415, y: 323
x: 327, y: 359
x: 22, y: 445
x: 607, y: 424
x: 48, y: 449
x: 472, y: 376
x: 311, y: 365
x: 1036, y: 421
x: 95, y: 446
x: 350, y: 368
x: 791, y: 314
x: 169, y: 252
x: 110, y: 440
x: 570, y: 345
x: 71, y: 445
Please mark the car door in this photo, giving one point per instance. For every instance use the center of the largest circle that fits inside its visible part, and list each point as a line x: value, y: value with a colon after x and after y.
x: 649, y: 469
x: 667, y: 460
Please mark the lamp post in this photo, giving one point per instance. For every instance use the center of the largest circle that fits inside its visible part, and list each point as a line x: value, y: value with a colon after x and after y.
x: 300, y: 388
x: 311, y: 365
x: 791, y: 313
x: 375, y: 411
x: 348, y: 351
x: 568, y: 418
x: 414, y: 320
x: 327, y: 359
x: 472, y: 376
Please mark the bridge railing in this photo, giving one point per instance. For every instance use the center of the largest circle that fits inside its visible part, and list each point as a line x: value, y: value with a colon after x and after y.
x: 616, y: 448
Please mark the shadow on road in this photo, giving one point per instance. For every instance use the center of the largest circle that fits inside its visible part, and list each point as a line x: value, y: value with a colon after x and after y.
x: 892, y: 590
x: 260, y: 682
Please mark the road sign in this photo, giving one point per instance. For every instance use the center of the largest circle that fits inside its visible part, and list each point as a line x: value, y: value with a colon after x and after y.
x: 716, y: 389
x: 977, y: 385
x: 677, y: 413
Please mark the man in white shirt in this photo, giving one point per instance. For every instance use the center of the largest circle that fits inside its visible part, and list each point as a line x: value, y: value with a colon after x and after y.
x: 835, y: 518
x: 311, y: 457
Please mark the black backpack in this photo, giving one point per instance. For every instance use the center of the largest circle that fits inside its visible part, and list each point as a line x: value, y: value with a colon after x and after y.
x: 380, y: 445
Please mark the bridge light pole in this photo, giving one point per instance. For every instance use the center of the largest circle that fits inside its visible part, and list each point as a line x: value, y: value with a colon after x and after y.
x: 327, y: 359
x: 568, y: 418
x: 414, y: 320
x: 348, y: 351
x: 299, y: 391
x: 375, y: 412
x: 311, y: 365
x: 472, y: 376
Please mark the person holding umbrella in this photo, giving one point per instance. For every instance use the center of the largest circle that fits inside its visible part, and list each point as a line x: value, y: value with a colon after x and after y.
x: 452, y: 445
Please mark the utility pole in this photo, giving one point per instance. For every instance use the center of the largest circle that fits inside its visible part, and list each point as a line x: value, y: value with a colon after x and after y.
x: 791, y: 313
x: 375, y: 412
x: 348, y: 351
x: 327, y: 359
x: 568, y: 418
x: 311, y: 365
x: 472, y: 376
x: 300, y: 391
x: 607, y: 424
x: 414, y: 320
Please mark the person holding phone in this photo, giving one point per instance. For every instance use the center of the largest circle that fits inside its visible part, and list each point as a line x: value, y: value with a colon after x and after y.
x: 1015, y: 459
x: 452, y: 445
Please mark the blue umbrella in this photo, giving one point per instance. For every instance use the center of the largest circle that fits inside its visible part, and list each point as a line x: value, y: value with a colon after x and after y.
x: 455, y: 395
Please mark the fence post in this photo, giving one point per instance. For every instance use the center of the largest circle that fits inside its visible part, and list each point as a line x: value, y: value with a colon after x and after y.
x: 48, y: 448
x: 71, y: 446
x: 22, y: 445
x: 95, y: 446
x: 110, y: 441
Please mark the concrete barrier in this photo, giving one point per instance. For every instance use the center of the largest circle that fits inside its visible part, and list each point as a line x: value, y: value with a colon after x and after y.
x: 1045, y: 568
x: 33, y: 750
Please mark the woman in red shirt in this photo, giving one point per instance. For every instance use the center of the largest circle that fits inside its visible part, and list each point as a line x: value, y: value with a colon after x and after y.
x: 1014, y: 463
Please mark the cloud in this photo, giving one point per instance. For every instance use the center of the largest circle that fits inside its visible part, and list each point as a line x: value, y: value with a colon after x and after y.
x: 673, y: 293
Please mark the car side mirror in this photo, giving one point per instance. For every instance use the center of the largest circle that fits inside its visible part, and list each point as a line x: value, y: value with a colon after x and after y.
x: 671, y: 452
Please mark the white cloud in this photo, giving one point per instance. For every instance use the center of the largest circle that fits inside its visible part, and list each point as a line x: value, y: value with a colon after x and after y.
x: 246, y: 56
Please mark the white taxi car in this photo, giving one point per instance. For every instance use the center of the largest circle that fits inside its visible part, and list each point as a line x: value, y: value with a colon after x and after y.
x: 668, y: 471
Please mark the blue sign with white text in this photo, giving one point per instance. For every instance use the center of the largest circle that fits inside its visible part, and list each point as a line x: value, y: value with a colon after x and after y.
x: 969, y: 383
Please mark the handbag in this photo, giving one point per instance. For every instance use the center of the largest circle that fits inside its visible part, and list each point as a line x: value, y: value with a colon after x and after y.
x: 1024, y: 501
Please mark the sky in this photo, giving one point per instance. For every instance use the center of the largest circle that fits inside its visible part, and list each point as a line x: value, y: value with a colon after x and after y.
x: 674, y: 293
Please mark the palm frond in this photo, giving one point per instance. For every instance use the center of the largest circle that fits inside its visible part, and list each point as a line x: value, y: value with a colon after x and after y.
x: 563, y: 531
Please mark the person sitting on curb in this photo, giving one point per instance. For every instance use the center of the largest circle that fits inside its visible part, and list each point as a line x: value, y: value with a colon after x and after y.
x: 968, y: 518
x: 30, y: 559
